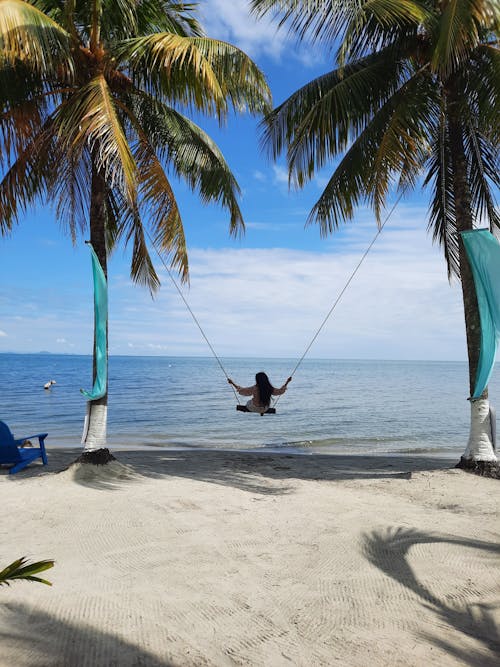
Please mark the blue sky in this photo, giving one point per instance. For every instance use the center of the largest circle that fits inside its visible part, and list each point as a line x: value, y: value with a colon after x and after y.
x: 263, y: 295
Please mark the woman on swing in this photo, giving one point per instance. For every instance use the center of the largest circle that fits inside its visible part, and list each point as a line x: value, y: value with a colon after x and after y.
x: 260, y: 392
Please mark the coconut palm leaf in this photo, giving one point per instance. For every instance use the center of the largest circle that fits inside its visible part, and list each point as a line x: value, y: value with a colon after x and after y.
x: 142, y: 270
x: 404, y: 145
x: 69, y: 190
x: 30, y: 36
x: 90, y: 117
x: 163, y: 212
x: 442, y: 214
x: 18, y: 124
x: 484, y: 174
x: 27, y: 178
x: 199, y: 73
x: 159, y: 204
x: 331, y: 20
x: 482, y: 89
x: 378, y: 24
x: 321, y: 119
x: 22, y: 569
x: 392, y: 143
x: 460, y: 30
x: 191, y: 154
x: 174, y: 17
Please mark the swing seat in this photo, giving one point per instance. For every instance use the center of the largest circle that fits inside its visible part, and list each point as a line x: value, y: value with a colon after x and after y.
x: 243, y: 408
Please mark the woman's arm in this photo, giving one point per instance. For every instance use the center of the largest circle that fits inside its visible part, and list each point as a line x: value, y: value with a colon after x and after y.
x: 281, y: 390
x: 244, y: 391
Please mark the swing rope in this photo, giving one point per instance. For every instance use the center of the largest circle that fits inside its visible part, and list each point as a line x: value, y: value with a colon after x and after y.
x: 327, y: 317
x: 323, y: 323
x: 191, y: 312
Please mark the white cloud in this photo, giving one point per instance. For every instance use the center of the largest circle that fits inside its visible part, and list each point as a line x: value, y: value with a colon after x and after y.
x: 62, y: 341
x: 280, y: 174
x: 2, y: 333
x: 269, y: 226
x: 232, y: 22
x: 271, y: 302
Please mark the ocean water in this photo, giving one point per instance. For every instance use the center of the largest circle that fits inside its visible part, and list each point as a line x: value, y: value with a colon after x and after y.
x: 331, y: 406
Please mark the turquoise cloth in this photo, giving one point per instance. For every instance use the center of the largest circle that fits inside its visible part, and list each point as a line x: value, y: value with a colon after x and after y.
x: 483, y: 251
x: 100, y: 322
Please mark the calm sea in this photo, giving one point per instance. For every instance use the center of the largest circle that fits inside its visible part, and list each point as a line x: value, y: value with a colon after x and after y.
x: 331, y: 406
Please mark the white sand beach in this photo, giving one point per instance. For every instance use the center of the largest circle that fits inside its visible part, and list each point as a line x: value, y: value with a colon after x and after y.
x: 225, y: 558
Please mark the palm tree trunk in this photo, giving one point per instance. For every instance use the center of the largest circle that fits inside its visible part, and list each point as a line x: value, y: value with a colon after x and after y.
x: 480, y: 447
x: 94, y: 436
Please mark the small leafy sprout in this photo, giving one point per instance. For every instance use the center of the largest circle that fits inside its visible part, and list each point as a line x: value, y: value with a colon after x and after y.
x: 21, y: 569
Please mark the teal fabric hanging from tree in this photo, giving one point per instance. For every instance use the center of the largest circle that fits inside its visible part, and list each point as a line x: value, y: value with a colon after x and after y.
x: 483, y: 252
x: 101, y: 317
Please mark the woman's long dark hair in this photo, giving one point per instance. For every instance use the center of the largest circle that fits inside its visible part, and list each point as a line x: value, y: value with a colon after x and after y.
x: 265, y: 388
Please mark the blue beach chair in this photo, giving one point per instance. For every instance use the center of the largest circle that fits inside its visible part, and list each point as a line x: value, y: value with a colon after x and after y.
x: 12, y: 452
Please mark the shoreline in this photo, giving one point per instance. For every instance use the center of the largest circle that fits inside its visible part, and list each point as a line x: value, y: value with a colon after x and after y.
x: 424, y: 452
x: 174, y: 559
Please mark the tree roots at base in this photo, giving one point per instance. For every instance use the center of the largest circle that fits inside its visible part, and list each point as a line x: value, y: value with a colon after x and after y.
x: 483, y: 468
x: 97, y: 457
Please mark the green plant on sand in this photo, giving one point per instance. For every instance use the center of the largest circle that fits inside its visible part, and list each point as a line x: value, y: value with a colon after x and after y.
x: 21, y: 569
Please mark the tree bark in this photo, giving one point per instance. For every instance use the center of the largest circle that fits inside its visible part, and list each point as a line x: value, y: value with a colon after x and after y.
x: 94, y: 436
x: 480, y: 444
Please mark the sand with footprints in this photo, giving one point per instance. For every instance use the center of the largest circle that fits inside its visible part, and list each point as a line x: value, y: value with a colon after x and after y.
x: 227, y: 558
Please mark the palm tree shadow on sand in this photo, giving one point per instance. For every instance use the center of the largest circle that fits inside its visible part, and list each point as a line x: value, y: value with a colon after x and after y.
x: 388, y: 551
x: 256, y: 472
x: 58, y: 642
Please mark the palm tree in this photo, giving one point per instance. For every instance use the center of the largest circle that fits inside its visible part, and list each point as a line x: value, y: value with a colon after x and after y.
x: 93, y: 95
x: 414, y: 98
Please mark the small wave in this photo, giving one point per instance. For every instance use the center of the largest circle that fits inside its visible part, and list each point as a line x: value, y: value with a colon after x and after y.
x: 422, y: 450
x: 375, y: 445
x: 344, y: 441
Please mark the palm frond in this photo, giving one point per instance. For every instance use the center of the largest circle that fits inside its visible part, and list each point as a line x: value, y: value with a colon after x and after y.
x: 170, y: 16
x: 163, y: 211
x: 42, y: 166
x: 123, y: 222
x: 25, y: 107
x: 461, y: 25
x: 483, y: 161
x: 329, y: 21
x: 27, y: 178
x: 392, y: 143
x: 29, y: 36
x: 18, y: 124
x: 22, y: 569
x: 142, y: 270
x: 156, y: 195
x: 377, y: 24
x: 191, y: 154
x: 320, y: 20
x: 481, y: 90
x: 403, y: 147
x: 90, y: 118
x: 197, y: 72
x: 242, y: 82
x: 171, y: 64
x: 321, y: 119
x: 69, y: 189
x: 442, y: 213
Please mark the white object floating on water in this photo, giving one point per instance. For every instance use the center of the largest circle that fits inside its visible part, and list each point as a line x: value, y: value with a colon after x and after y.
x: 49, y: 384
